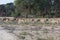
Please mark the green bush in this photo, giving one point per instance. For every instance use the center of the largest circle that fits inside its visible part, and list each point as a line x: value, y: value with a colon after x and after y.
x: 40, y: 39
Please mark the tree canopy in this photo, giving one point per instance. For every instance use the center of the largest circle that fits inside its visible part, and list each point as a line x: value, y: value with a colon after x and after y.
x: 31, y: 8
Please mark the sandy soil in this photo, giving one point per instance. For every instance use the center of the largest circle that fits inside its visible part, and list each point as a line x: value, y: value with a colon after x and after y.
x: 4, y: 35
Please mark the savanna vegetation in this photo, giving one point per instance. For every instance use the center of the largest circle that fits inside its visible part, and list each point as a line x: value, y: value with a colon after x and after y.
x: 31, y: 8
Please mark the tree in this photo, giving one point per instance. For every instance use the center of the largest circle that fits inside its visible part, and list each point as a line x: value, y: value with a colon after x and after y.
x: 32, y: 6
x: 2, y: 10
x: 9, y: 9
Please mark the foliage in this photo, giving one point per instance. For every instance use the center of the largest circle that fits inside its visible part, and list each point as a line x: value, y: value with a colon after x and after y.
x: 7, y: 9
x: 23, y: 33
x: 40, y: 39
x: 31, y: 8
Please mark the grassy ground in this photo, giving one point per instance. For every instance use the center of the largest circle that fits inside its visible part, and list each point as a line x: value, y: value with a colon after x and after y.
x: 33, y: 30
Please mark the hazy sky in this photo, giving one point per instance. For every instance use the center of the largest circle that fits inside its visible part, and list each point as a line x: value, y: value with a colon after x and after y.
x: 5, y: 1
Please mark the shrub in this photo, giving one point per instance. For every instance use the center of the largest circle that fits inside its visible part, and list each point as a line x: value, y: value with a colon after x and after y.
x: 23, y: 33
x: 40, y: 39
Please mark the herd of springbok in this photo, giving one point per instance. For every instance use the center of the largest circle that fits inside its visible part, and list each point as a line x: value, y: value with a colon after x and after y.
x: 19, y: 20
